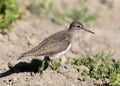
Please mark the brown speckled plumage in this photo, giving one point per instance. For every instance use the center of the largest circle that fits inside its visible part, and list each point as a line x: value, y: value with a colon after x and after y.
x: 50, y: 46
x: 55, y: 43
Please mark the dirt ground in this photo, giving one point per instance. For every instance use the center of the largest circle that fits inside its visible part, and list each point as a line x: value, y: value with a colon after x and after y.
x: 28, y: 32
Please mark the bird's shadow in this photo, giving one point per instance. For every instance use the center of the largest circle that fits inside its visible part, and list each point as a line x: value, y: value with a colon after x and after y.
x: 33, y: 66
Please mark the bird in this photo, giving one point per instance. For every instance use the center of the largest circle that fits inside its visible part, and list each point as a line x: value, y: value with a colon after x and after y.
x: 58, y: 43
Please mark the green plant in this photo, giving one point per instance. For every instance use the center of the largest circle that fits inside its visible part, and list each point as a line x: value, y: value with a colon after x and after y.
x: 43, y: 7
x: 42, y: 66
x: 82, y: 14
x: 58, y: 17
x: 104, y: 1
x: 9, y: 12
x: 46, y: 8
x: 28, y: 85
x: 45, y: 63
x: 75, y: 14
x: 100, y: 66
x: 55, y: 65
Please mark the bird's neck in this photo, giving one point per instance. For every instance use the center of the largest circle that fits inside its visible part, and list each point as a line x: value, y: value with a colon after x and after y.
x: 71, y: 34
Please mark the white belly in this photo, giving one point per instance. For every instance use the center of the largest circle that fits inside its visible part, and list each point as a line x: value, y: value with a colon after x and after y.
x: 61, y: 53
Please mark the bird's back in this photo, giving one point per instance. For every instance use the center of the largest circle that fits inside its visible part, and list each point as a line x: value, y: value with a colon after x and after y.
x: 55, y: 43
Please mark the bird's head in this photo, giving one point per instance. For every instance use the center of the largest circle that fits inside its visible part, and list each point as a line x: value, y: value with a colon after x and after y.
x: 75, y: 25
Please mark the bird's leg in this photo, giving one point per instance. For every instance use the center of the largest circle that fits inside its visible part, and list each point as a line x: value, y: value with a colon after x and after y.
x: 47, y: 62
x: 56, y: 59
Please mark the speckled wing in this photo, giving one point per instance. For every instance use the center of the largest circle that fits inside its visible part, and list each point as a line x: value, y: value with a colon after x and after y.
x: 50, y: 46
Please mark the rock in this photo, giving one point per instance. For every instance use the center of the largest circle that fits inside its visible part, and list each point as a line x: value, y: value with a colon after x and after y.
x: 1, y: 37
x: 63, y: 59
x: 12, y: 37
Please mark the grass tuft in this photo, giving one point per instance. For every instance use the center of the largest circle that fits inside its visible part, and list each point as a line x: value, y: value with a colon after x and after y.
x: 100, y: 66
x: 55, y: 65
x: 44, y: 64
x: 9, y: 12
x: 46, y: 8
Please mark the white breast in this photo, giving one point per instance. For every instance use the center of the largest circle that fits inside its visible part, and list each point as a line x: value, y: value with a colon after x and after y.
x: 61, y: 53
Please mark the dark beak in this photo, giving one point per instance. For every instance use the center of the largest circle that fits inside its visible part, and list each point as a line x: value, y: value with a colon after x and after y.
x: 87, y: 30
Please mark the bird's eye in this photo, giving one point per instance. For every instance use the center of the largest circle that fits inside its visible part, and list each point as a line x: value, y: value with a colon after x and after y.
x: 78, y: 26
